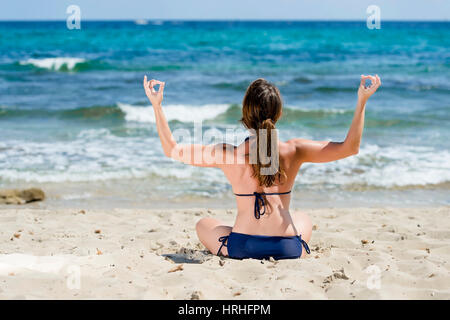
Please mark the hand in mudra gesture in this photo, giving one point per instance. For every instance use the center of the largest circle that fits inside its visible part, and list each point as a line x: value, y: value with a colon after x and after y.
x: 365, y: 91
x: 154, y: 96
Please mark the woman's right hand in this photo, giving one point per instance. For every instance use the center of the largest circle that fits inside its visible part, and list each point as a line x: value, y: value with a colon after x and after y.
x: 364, y: 91
x: 154, y: 96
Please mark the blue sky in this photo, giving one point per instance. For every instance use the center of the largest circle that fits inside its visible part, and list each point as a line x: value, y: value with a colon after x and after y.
x: 226, y: 9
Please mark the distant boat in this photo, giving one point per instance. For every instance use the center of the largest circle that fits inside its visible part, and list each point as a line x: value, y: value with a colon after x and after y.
x: 141, y: 22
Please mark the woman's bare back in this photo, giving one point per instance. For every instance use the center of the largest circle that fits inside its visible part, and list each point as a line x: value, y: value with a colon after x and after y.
x: 277, y: 220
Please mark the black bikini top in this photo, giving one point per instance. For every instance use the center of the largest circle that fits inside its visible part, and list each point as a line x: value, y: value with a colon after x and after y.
x: 259, y: 200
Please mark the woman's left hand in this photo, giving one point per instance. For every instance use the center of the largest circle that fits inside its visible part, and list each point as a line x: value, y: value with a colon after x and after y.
x: 154, y: 96
x: 364, y: 91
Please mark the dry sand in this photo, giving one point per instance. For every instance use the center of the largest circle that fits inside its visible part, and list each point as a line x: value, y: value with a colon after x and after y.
x: 357, y: 253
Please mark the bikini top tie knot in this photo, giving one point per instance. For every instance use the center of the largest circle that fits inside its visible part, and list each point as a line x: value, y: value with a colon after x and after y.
x: 259, y: 200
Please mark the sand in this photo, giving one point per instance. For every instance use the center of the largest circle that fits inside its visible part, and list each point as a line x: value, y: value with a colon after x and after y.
x: 357, y: 253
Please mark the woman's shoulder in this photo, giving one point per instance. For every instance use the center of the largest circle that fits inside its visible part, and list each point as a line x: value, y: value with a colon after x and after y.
x: 288, y: 147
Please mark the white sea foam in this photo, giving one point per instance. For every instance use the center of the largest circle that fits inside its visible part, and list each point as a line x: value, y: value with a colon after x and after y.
x: 383, y: 167
x: 141, y: 22
x: 184, y: 113
x: 324, y: 110
x: 54, y: 63
x: 99, y: 155
x: 192, y: 113
x: 76, y: 196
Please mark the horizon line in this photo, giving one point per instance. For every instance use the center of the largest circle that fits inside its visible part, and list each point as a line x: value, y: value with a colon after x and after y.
x: 225, y: 20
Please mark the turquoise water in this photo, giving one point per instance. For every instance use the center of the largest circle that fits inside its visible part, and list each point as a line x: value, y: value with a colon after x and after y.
x: 72, y: 107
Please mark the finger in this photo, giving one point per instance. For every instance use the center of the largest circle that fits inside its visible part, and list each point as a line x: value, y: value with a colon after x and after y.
x: 363, y: 80
x: 145, y: 82
x: 147, y: 87
x: 161, y: 86
x: 152, y: 83
x: 378, y: 80
x: 158, y: 82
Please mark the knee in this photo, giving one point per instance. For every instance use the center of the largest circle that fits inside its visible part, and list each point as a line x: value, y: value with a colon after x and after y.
x: 201, y: 225
x: 304, y: 225
x: 308, y: 228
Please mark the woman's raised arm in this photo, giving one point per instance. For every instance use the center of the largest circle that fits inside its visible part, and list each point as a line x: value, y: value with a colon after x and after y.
x: 193, y: 154
x: 326, y: 151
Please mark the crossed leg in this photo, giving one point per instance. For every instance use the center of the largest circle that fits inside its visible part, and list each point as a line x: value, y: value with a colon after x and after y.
x: 209, y: 230
x: 303, y: 226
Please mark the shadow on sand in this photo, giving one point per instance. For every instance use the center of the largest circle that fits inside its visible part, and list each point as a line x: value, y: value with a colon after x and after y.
x: 185, y: 255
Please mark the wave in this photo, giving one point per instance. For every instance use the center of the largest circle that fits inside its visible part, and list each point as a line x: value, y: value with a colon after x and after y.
x: 122, y: 111
x: 93, y: 112
x: 330, y: 89
x: 216, y: 113
x: 99, y: 155
x: 141, y: 22
x: 74, y: 64
x: 176, y: 112
x: 56, y: 64
x: 90, y: 113
x: 220, y: 113
x: 383, y: 167
x: 238, y: 86
x: 302, y: 113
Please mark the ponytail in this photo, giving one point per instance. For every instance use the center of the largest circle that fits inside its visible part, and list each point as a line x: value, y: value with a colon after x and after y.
x: 261, y: 109
x: 267, y: 168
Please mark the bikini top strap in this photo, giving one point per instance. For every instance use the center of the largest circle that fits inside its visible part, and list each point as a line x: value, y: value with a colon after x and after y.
x: 259, y: 200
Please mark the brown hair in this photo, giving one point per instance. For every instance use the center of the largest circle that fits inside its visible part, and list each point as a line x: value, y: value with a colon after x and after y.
x: 261, y: 109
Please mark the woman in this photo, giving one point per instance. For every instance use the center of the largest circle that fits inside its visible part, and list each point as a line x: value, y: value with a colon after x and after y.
x: 264, y: 227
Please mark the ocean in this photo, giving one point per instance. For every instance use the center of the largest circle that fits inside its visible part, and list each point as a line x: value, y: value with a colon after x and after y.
x: 75, y: 121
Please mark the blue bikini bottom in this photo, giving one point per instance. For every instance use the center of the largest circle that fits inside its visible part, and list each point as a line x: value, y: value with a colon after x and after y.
x: 244, y: 246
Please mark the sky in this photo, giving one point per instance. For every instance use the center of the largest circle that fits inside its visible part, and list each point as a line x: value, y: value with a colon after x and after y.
x: 225, y: 9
